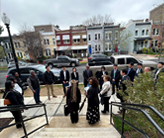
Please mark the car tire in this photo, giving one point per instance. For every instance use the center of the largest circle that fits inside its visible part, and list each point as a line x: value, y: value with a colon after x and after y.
x: 50, y: 65
x: 73, y: 64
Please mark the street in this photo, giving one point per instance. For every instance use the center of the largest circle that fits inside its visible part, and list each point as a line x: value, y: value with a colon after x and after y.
x: 80, y: 70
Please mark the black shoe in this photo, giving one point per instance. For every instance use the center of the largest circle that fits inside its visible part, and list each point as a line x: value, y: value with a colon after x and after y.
x: 104, y: 112
x: 40, y: 102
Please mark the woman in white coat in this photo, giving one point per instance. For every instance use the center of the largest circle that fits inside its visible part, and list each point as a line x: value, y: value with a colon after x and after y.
x: 106, y: 93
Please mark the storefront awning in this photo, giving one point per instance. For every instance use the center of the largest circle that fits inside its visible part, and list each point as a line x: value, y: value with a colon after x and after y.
x: 76, y: 37
x: 79, y: 47
x: 65, y: 37
x: 142, y: 38
x: 58, y: 37
x: 84, y: 36
x: 63, y: 48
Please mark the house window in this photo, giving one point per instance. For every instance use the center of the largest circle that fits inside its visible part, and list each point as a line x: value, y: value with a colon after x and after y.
x: 136, y: 33
x: 116, y: 35
x: 143, y: 32
x: 146, y: 44
x: 53, y: 40
x: 48, y: 52
x: 95, y: 47
x: 106, y: 46
x: 58, y: 42
x: 98, y: 36
x: 76, y: 40
x: 17, y: 45
x: 156, y: 43
x: 19, y: 54
x: 142, y: 44
x: 106, y: 36
x: 66, y: 41
x: 95, y: 36
x: 24, y: 43
x: 157, y: 31
x: 110, y: 46
x: 99, y: 48
x: 89, y: 37
x: 147, y: 32
x: 46, y: 41
x: 110, y: 36
x: 84, y: 40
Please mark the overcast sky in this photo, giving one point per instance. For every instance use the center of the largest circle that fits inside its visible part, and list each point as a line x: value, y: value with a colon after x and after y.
x: 71, y: 12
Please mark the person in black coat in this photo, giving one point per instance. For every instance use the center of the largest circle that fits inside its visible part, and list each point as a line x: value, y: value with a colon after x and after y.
x: 115, y: 78
x: 73, y: 100
x: 93, y: 114
x: 64, y: 77
x: 131, y: 72
x: 75, y: 75
x: 101, y: 74
x: 16, y: 99
x: 122, y: 85
x: 158, y: 71
x: 86, y: 75
x: 139, y: 69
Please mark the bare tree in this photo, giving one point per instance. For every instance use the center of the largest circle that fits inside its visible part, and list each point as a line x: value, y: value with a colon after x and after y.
x: 32, y: 40
x: 98, y: 20
x: 1, y: 48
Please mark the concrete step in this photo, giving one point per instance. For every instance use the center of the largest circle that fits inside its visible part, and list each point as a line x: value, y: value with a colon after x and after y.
x: 77, y: 132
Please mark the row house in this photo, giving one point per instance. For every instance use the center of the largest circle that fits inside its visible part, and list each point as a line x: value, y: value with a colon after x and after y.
x: 79, y: 41
x: 95, y: 39
x: 157, y: 18
x: 103, y: 38
x: 21, y: 48
x: 7, y: 47
x: 64, y: 43
x: 48, y: 39
x: 140, y: 35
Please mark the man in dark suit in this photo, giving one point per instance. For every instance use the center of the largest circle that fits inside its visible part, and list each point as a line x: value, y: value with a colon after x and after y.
x: 87, y: 74
x: 122, y: 85
x: 102, y: 73
x: 131, y: 72
x: 158, y: 70
x: 64, y: 77
x: 75, y: 75
x: 115, y: 77
x: 138, y: 69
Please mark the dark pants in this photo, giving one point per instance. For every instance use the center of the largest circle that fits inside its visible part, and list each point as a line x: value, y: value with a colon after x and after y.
x: 64, y: 89
x: 120, y: 97
x: 37, y: 95
x: 106, y: 104
x: 17, y: 117
x: 74, y: 117
x: 113, y: 87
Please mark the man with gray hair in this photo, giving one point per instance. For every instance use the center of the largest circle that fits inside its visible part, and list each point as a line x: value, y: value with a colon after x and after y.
x: 147, y: 69
x: 33, y: 83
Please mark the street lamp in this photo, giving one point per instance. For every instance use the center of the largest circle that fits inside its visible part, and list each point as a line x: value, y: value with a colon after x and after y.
x: 2, y: 44
x: 6, y: 21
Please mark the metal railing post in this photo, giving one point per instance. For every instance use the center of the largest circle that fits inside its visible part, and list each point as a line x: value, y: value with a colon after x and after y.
x: 46, y: 114
x: 111, y: 113
x: 24, y: 128
x: 123, y: 117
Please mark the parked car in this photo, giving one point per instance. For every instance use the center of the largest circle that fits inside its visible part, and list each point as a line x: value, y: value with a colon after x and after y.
x: 39, y: 70
x: 98, y: 59
x: 61, y: 61
x: 21, y: 63
x: 122, y: 61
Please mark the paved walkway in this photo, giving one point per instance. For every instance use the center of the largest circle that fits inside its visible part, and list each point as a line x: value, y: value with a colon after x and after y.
x: 55, y: 111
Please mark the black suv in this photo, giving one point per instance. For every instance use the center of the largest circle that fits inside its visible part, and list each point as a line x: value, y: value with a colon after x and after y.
x: 99, y: 59
x: 39, y: 70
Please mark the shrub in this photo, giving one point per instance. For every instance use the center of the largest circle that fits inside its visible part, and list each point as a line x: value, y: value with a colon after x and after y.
x: 146, y: 92
x: 144, y: 50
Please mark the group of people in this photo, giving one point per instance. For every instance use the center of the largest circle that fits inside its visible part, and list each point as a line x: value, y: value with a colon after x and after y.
x: 97, y: 86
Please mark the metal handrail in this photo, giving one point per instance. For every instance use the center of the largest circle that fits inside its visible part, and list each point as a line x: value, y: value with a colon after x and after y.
x: 124, y: 107
x: 20, y: 107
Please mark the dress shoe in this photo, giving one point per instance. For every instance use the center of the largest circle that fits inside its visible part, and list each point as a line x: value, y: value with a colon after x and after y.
x: 55, y: 96
x: 104, y: 112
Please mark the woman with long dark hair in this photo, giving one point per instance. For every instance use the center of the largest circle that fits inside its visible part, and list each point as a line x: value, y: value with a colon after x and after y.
x: 73, y: 100
x: 93, y: 114
x: 16, y: 99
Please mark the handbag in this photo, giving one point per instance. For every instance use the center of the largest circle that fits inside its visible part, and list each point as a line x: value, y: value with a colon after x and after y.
x: 66, y: 111
x: 6, y: 101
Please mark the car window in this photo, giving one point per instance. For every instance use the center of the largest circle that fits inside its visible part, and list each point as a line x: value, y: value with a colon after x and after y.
x: 121, y: 61
x: 65, y: 58
x: 60, y: 58
x: 11, y: 71
x: 131, y: 60
x: 112, y: 60
x: 95, y: 55
x: 41, y: 68
x: 103, y: 56
x: 25, y: 71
